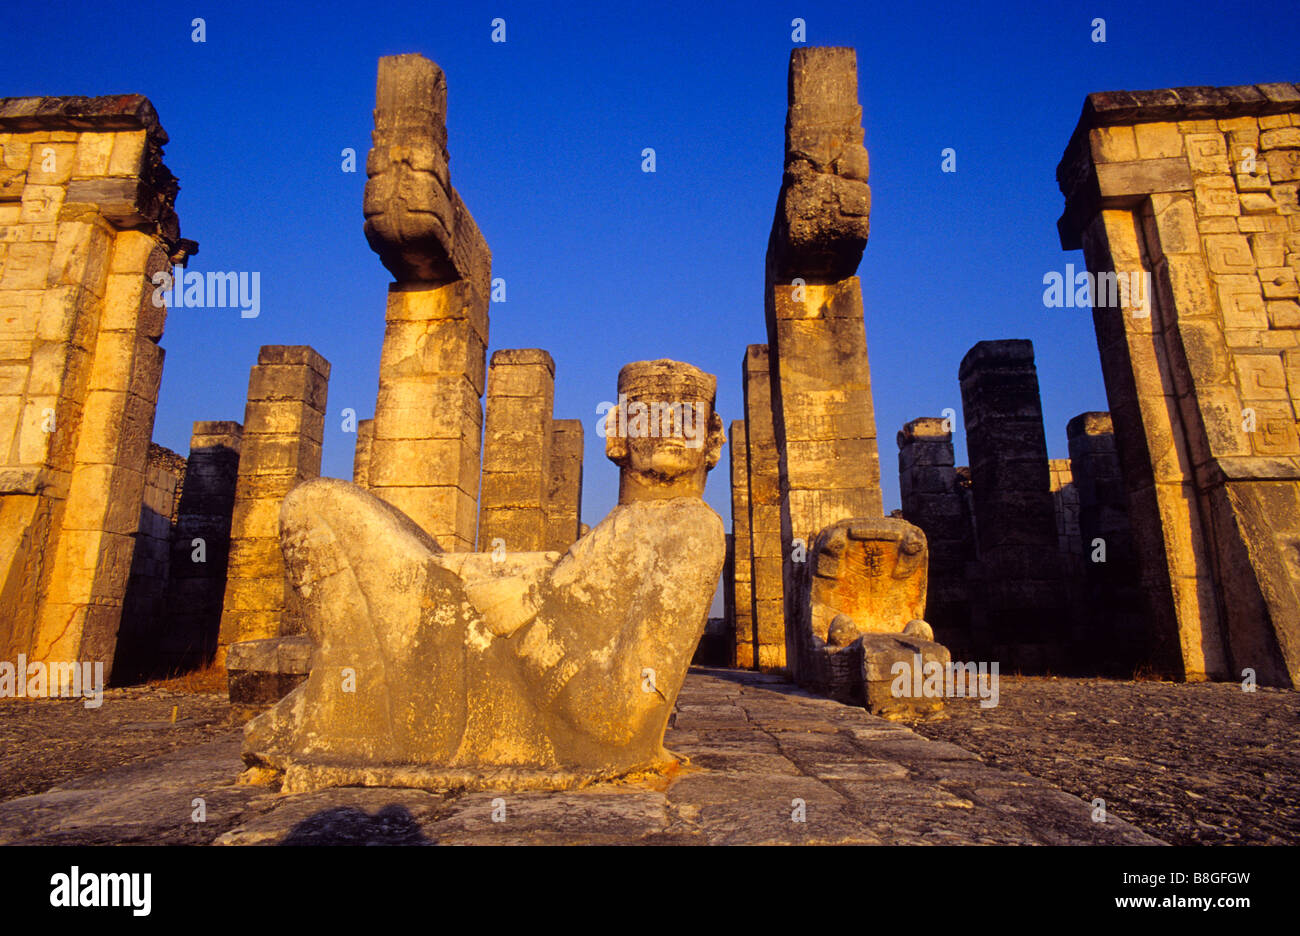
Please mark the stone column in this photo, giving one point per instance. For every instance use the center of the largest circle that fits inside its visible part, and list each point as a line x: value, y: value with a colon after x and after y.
x: 284, y: 423
x: 825, y: 430
x: 564, y: 491
x: 201, y: 545
x: 932, y: 499
x: 428, y: 420
x: 1084, y: 652
x: 517, y: 450
x: 1015, y: 518
x: 767, y: 603
x: 86, y: 211
x: 361, y: 455
x: 1113, y: 595
x: 1187, y: 197
x: 742, y: 550
x: 144, y: 619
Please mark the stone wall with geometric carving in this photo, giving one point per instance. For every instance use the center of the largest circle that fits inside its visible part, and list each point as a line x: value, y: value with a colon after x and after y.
x: 1193, y: 191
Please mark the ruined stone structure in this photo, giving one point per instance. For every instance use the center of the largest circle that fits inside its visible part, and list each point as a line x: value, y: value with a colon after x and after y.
x: 1187, y: 197
x: 1112, y: 596
x: 200, y: 547
x: 517, y: 451
x: 1081, y: 626
x: 144, y: 619
x: 564, y: 489
x: 822, y: 411
x: 1101, y: 627
x: 738, y: 585
x: 767, y: 607
x: 1015, y: 518
x: 532, y: 670
x: 428, y: 424
x: 531, y: 495
x: 284, y: 424
x: 86, y: 219
x: 933, y: 499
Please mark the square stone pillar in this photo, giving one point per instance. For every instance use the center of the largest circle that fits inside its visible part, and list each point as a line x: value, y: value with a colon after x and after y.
x: 823, y: 418
x: 741, y: 581
x: 284, y: 423
x: 564, y: 490
x: 767, y: 602
x: 1015, y: 517
x: 1187, y: 196
x: 933, y: 500
x: 428, y: 422
x: 517, y: 451
x: 144, y: 619
x: 201, y: 544
x: 1113, y: 598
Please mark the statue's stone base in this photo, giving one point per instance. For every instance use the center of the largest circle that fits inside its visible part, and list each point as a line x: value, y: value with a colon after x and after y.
x: 889, y: 684
x: 262, y: 672
x: 304, y: 776
x: 864, y: 673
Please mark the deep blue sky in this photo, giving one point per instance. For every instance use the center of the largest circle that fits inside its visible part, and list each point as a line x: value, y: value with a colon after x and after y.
x: 606, y: 264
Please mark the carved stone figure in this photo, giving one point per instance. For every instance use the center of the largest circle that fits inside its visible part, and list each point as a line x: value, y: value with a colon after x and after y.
x: 524, y: 670
x: 866, y: 583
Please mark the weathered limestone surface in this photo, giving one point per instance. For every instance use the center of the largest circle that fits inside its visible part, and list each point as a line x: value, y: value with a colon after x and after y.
x: 739, y: 585
x: 517, y: 451
x: 428, y: 419
x: 824, y: 421
x: 415, y: 221
x: 526, y: 670
x: 361, y: 455
x: 284, y: 423
x: 201, y: 545
x: 934, y: 500
x: 767, y: 605
x: 144, y: 619
x: 1193, y: 190
x: 564, y: 488
x: 823, y: 213
x: 1015, y: 518
x: 86, y: 218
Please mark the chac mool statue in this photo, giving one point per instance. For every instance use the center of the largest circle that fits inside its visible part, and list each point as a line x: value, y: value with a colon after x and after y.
x: 528, y: 670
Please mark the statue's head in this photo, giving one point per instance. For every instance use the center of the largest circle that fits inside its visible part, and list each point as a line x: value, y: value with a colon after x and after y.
x: 663, y: 433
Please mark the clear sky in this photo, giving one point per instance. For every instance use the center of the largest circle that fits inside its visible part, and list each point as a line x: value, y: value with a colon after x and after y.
x: 603, y: 263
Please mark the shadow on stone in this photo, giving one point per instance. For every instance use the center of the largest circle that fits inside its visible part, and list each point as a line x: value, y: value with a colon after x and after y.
x: 347, y: 825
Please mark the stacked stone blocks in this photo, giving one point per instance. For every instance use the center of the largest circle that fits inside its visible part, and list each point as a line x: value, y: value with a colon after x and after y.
x: 1196, y: 188
x: 86, y: 219
x: 284, y: 424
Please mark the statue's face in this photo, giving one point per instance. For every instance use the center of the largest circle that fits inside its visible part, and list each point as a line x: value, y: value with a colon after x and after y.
x: 666, y: 457
x: 670, y: 455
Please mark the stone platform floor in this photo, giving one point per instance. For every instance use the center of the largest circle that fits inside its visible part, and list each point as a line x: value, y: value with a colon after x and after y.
x: 1191, y: 763
x: 768, y: 764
